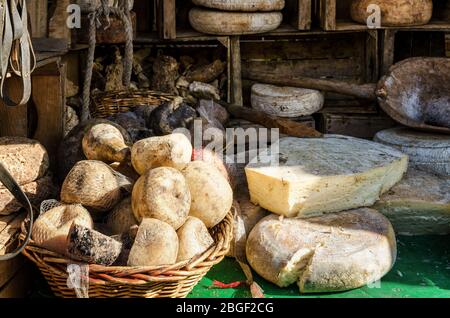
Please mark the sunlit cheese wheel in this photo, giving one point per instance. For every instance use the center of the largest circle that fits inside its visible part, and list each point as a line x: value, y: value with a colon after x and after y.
x: 242, y: 5
x: 156, y: 244
x: 394, y: 13
x: 36, y: 191
x: 194, y: 239
x: 316, y: 176
x: 286, y: 101
x: 211, y: 193
x: 418, y: 205
x: 162, y: 194
x: 104, y: 142
x: 330, y: 253
x: 25, y: 159
x: 50, y: 230
x: 121, y: 218
x: 93, y: 184
x: 233, y: 23
x: 427, y: 151
x: 174, y: 150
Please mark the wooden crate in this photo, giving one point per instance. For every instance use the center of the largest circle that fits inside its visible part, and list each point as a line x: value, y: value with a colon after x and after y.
x: 351, y: 57
x: 335, y: 15
x: 16, y: 274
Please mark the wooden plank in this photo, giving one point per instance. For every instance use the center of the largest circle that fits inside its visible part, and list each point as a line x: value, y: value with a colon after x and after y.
x: 38, y: 10
x: 388, y: 49
x: 57, y: 27
x: 9, y: 268
x: 447, y: 45
x: 20, y: 284
x: 298, y: 13
x: 236, y: 71
x: 49, y: 98
x: 50, y: 45
x: 166, y: 19
x: 10, y: 232
x: 327, y: 14
x: 13, y: 120
x: 372, y: 60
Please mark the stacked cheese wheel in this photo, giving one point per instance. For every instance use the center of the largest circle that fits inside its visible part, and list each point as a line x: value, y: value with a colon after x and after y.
x: 236, y: 17
x: 28, y: 163
x: 161, y: 217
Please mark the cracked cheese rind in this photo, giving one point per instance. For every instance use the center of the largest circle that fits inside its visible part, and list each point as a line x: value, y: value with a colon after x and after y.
x: 334, y: 252
x: 418, y: 205
x: 317, y: 176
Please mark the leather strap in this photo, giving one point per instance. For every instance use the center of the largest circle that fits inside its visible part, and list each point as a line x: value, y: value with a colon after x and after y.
x: 18, y: 51
x: 9, y: 182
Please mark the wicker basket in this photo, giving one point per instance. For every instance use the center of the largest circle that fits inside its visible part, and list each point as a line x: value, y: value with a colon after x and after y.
x: 175, y: 281
x: 114, y: 102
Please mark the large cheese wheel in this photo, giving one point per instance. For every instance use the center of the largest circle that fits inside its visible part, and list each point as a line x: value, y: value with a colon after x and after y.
x: 418, y: 205
x: 233, y: 23
x: 194, y: 239
x: 428, y: 152
x: 242, y: 5
x: 52, y: 227
x: 335, y: 252
x: 286, y: 101
x: 106, y: 143
x: 25, y: 159
x: 212, y: 196
x: 93, y: 184
x: 394, y: 13
x: 36, y: 191
x: 162, y: 194
x: 316, y: 176
x: 174, y: 150
x: 156, y: 244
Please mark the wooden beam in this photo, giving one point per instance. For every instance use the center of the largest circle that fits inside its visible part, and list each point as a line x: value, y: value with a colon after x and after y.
x: 327, y: 14
x: 236, y: 71
x: 38, y: 10
x: 388, y: 50
x: 166, y: 19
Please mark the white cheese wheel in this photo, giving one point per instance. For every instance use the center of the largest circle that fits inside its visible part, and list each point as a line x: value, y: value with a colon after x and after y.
x: 233, y: 23
x: 104, y: 142
x: 418, y: 205
x: 212, y: 196
x: 156, y: 244
x: 194, y: 239
x: 332, y: 174
x: 286, y: 101
x: 25, y: 159
x: 394, y: 13
x: 51, y: 228
x: 330, y: 253
x: 93, y: 184
x: 162, y: 194
x: 121, y: 218
x: 174, y: 150
x: 242, y: 5
x: 36, y: 191
x: 427, y: 151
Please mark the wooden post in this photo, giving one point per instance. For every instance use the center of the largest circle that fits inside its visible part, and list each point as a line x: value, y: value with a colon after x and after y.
x: 13, y: 120
x: 304, y: 14
x: 166, y: 19
x: 372, y: 60
x: 38, y: 17
x: 236, y: 71
x: 327, y: 14
x: 388, y: 47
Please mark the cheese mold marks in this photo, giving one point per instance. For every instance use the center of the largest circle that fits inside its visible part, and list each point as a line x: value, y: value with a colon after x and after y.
x: 317, y: 176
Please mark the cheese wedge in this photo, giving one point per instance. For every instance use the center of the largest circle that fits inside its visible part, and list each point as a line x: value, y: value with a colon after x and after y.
x: 330, y: 253
x: 316, y: 176
x: 418, y: 205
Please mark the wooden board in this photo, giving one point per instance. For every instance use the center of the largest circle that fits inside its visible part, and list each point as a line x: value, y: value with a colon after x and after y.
x: 166, y: 19
x: 447, y: 45
x: 38, y: 17
x: 57, y: 26
x: 20, y: 284
x: 298, y: 13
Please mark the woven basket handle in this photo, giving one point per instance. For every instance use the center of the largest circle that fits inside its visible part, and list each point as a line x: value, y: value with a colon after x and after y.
x: 11, y: 184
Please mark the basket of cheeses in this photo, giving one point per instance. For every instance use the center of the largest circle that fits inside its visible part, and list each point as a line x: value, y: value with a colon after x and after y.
x: 134, y: 219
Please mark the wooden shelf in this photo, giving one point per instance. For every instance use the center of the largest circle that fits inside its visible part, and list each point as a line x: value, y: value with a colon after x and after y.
x: 435, y: 25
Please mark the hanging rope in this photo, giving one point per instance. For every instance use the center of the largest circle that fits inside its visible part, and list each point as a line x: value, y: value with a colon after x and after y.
x: 123, y: 12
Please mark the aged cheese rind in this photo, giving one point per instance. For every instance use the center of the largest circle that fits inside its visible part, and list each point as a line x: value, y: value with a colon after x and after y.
x: 286, y: 101
x: 317, y: 176
x: 428, y: 152
x: 242, y: 5
x: 418, y: 205
x: 25, y: 159
x: 335, y: 252
x: 233, y: 23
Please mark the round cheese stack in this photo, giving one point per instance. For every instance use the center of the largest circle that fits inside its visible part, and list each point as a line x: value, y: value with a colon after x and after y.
x: 394, y: 13
x: 286, y: 101
x: 330, y: 253
x: 317, y: 176
x: 418, y: 205
x: 233, y: 23
x: 52, y: 227
x: 428, y: 152
x: 242, y: 5
x: 25, y: 159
